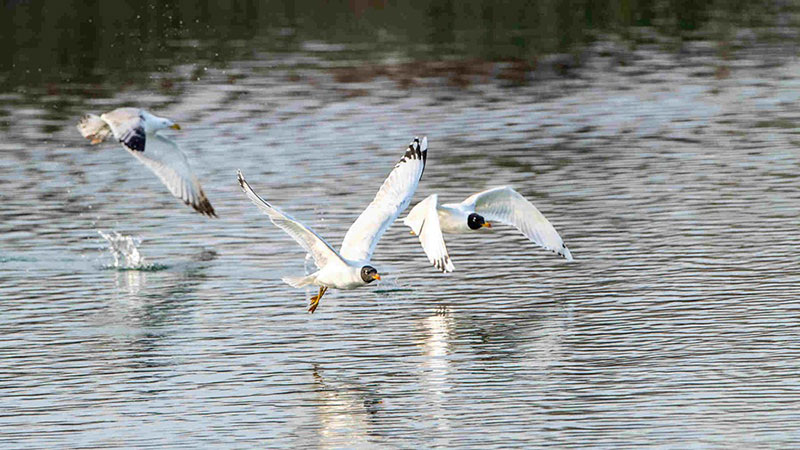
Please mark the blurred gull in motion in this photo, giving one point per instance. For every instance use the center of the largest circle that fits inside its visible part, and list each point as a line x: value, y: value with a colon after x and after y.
x: 136, y: 130
x: 349, y: 268
x: 429, y: 220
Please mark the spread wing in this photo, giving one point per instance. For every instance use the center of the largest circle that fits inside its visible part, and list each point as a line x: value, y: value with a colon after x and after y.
x: 320, y: 250
x: 505, y: 205
x: 392, y: 198
x: 424, y: 222
x: 159, y: 154
x: 168, y: 162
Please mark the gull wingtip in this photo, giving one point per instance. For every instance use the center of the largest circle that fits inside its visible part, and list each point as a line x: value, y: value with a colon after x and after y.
x: 566, y: 253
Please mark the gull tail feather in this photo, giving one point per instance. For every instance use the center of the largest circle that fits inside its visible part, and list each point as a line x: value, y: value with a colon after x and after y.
x: 94, y: 128
x: 298, y: 282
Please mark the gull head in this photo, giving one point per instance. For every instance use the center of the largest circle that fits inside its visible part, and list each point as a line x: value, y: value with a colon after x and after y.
x: 154, y: 123
x: 369, y: 274
x: 476, y: 222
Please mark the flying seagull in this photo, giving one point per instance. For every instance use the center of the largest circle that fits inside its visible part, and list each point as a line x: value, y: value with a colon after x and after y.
x: 136, y: 129
x: 350, y: 268
x: 428, y: 220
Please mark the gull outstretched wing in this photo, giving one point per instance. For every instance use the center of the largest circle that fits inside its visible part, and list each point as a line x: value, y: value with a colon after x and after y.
x: 320, y: 250
x: 392, y: 198
x: 504, y: 204
x: 164, y: 158
x: 161, y: 155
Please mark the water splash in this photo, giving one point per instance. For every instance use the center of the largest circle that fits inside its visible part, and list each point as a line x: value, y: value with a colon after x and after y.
x: 126, y: 254
x: 390, y: 284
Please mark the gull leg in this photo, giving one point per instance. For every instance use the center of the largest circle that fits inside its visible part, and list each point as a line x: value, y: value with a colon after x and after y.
x: 315, y: 299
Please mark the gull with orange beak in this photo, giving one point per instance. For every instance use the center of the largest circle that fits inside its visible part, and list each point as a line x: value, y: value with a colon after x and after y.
x: 428, y: 220
x: 350, y: 268
x: 136, y: 129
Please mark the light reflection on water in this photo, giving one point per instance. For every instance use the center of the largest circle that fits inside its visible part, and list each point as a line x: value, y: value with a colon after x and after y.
x: 676, y: 325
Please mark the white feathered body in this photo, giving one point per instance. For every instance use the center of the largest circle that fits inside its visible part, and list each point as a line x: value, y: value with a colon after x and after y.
x: 137, y: 131
x: 340, y: 274
x: 343, y: 269
x: 429, y: 221
x: 453, y: 218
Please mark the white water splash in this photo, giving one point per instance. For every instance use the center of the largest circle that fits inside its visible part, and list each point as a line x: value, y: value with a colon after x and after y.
x: 124, y: 249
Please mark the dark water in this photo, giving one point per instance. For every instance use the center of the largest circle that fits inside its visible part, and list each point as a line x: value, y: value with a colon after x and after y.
x: 659, y: 138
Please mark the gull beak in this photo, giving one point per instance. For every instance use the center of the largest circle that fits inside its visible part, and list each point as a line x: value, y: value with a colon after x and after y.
x: 376, y: 277
x: 175, y: 126
x: 486, y: 225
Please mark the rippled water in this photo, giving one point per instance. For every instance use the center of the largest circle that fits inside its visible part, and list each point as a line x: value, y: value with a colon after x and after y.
x: 672, y: 176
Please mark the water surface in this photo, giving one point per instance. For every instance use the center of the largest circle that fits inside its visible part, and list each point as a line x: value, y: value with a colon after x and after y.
x: 662, y: 146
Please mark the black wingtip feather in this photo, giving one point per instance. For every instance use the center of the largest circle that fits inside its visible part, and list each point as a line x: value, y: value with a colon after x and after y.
x: 441, y: 263
x: 414, y: 152
x: 243, y: 182
x: 208, y: 209
x: 424, y: 159
x: 134, y: 139
x: 204, y: 207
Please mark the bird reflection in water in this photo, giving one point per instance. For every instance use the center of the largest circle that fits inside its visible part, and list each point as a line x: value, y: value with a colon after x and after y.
x: 346, y: 411
x: 436, y: 370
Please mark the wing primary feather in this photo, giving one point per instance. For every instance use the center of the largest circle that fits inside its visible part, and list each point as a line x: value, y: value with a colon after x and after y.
x: 392, y: 198
x: 166, y: 160
x: 204, y: 206
x: 504, y: 204
x: 424, y: 153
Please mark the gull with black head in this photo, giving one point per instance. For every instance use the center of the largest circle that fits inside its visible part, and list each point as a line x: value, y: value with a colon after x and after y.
x: 350, y: 267
x: 137, y: 130
x: 428, y: 220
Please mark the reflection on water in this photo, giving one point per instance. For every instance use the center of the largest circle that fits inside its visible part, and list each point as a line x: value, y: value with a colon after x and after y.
x: 436, y: 369
x: 658, y: 138
x: 130, y: 281
x: 344, y: 413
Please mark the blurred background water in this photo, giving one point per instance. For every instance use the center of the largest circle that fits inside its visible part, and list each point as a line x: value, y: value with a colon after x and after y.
x: 659, y: 137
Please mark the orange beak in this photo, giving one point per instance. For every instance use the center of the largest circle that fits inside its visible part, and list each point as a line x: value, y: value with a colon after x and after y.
x: 175, y: 126
x: 376, y: 277
x: 486, y: 225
